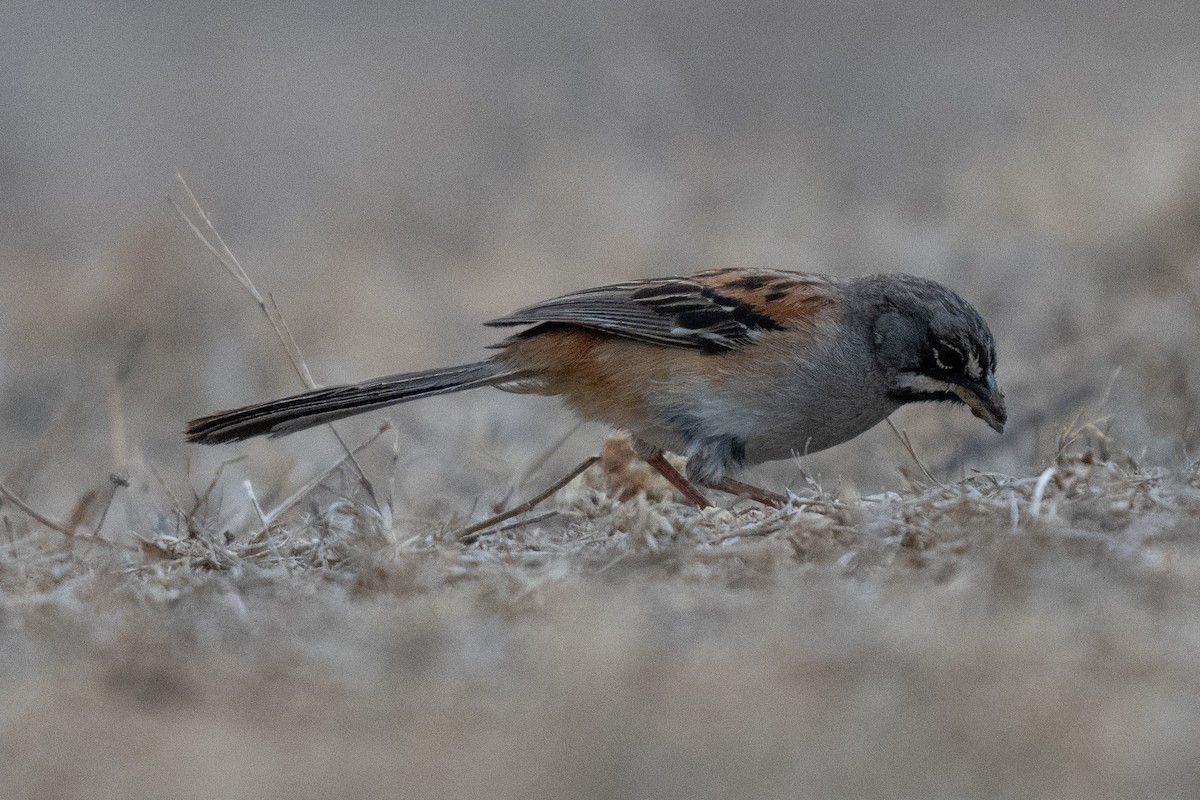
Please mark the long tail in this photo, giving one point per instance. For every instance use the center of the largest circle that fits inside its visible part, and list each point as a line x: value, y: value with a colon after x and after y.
x: 291, y: 414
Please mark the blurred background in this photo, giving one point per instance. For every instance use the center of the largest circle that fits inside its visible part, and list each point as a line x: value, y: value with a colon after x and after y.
x: 396, y: 173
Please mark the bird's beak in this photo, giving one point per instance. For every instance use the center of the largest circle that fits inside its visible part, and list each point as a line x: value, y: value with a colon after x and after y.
x: 986, y: 401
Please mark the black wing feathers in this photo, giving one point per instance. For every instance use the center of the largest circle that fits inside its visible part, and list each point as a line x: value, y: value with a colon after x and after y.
x: 677, y: 312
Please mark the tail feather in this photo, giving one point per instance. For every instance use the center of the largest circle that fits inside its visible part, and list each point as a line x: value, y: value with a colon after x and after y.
x: 290, y: 414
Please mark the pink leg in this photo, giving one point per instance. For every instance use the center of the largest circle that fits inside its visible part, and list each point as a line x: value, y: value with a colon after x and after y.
x: 673, y: 477
x: 730, y: 486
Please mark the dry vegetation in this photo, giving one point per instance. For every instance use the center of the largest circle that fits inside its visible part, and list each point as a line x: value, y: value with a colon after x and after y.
x: 995, y: 636
x: 942, y: 614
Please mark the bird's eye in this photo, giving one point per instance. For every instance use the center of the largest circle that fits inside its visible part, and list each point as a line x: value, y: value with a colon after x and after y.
x: 948, y: 357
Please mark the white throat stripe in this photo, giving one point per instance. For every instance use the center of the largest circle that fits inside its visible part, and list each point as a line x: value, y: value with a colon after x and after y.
x: 923, y: 383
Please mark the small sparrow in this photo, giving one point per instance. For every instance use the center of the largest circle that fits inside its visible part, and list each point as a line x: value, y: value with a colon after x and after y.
x: 727, y: 368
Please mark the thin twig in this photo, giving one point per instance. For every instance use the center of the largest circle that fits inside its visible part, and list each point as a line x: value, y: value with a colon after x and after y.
x: 472, y: 532
x: 269, y: 307
x: 119, y: 477
x: 200, y: 500
x: 1039, y: 491
x: 285, y: 335
x: 249, y: 487
x: 536, y: 518
x: 116, y: 422
x: 163, y: 485
x: 765, y: 528
x: 299, y: 494
x: 12, y: 497
x: 228, y: 260
x: 904, y: 440
x: 550, y: 451
x: 392, y: 469
x: 117, y: 482
x: 223, y: 254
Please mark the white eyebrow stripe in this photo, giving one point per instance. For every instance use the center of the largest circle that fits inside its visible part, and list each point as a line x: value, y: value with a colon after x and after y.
x: 923, y: 383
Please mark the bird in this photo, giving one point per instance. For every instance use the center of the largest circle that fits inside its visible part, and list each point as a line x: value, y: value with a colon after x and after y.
x: 727, y: 368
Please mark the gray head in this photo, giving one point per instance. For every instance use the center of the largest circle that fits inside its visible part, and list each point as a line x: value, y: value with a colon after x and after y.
x: 933, y: 345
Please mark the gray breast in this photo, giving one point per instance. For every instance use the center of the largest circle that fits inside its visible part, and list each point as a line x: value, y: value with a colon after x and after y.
x: 827, y: 395
x: 821, y: 395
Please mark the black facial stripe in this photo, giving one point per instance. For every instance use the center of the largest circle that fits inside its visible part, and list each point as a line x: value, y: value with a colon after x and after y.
x: 915, y: 396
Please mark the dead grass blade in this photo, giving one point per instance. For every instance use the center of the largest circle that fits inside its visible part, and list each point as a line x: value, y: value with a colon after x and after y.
x: 550, y: 451
x: 213, y: 242
x: 116, y: 482
x: 270, y: 516
x: 473, y: 532
x: 38, y: 517
x: 904, y: 440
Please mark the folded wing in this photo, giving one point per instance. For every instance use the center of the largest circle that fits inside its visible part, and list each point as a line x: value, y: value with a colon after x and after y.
x: 714, y: 311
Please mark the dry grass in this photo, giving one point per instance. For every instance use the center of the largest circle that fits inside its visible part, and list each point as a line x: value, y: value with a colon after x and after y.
x: 996, y: 636
x: 943, y: 613
x: 368, y: 622
x: 331, y: 629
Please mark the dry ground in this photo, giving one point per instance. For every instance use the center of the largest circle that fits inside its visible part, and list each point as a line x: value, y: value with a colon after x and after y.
x: 1022, y: 620
x: 990, y: 637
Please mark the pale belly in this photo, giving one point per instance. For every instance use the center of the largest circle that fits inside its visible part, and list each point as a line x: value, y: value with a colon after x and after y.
x: 726, y: 424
